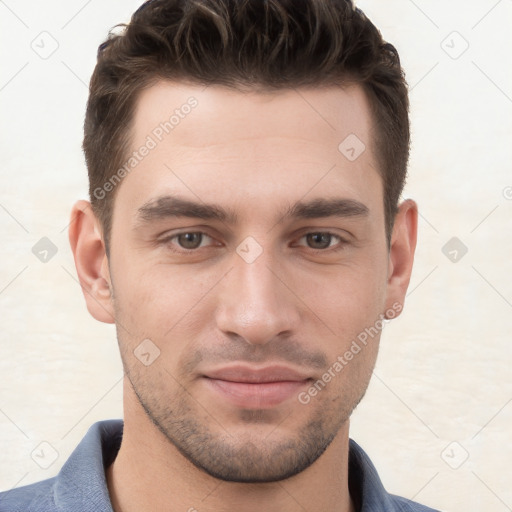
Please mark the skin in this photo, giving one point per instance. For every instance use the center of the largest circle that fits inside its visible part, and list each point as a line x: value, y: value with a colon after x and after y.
x: 300, y: 303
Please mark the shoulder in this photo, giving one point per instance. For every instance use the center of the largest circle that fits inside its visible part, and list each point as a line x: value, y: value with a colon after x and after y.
x: 80, y: 484
x: 405, y: 505
x: 367, y: 489
x: 36, y: 497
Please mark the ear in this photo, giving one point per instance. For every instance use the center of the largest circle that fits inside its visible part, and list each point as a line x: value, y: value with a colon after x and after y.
x: 91, y: 261
x: 401, y: 253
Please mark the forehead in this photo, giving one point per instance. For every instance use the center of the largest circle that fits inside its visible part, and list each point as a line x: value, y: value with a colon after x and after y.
x: 239, y: 147
x: 212, y: 112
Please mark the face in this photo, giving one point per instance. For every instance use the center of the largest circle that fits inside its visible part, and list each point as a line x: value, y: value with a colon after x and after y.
x: 248, y: 254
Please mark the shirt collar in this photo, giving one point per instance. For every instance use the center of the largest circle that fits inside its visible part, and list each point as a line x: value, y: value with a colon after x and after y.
x: 366, y: 488
x: 82, y: 481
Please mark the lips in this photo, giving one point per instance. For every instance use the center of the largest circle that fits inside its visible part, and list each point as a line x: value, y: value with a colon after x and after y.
x: 250, y: 387
x: 257, y: 375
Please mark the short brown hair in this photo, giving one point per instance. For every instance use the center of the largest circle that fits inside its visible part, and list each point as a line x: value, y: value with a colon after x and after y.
x: 266, y: 44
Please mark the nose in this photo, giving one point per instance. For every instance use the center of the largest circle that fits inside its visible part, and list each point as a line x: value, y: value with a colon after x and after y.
x: 255, y: 302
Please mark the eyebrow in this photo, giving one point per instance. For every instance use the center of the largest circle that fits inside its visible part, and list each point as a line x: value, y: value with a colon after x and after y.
x: 164, y: 207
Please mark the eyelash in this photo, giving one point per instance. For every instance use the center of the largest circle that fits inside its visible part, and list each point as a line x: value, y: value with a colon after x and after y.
x: 341, y: 242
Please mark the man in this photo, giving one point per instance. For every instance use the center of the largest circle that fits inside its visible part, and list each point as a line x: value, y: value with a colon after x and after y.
x: 245, y: 235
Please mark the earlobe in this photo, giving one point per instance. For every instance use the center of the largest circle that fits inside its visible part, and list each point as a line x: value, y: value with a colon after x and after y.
x: 91, y: 261
x: 401, y: 254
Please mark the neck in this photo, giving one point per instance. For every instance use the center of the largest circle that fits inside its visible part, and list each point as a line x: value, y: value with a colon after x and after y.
x: 149, y: 474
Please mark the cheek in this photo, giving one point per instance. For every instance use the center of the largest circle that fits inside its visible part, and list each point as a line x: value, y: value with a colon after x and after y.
x: 157, y: 300
x: 347, y: 299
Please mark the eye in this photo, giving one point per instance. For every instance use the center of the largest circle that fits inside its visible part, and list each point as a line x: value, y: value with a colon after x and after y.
x: 322, y: 240
x: 189, y: 240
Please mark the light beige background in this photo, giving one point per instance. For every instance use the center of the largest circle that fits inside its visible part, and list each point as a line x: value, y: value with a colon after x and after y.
x: 437, y: 418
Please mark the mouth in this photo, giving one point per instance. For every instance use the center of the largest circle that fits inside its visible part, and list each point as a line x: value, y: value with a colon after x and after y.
x: 255, y: 388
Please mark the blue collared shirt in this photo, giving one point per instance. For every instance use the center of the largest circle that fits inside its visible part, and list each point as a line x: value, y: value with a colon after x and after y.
x: 81, y: 485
